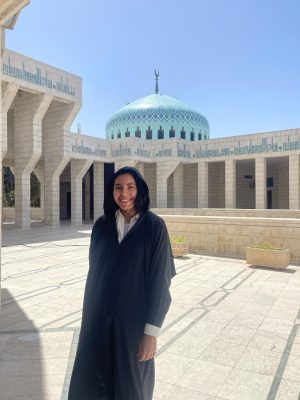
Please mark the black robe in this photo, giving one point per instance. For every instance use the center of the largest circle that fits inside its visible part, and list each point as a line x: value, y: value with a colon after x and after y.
x: 127, y: 286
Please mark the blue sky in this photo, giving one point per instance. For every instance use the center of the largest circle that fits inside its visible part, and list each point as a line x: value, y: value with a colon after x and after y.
x: 235, y: 61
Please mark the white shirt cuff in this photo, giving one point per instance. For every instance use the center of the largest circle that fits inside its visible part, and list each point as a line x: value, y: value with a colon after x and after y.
x: 151, y: 330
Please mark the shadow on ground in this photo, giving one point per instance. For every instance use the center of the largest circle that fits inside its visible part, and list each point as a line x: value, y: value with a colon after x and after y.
x: 21, y: 367
x: 40, y: 233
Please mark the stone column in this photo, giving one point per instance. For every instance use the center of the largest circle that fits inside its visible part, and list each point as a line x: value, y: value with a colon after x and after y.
x: 29, y: 112
x: 1, y: 140
x: 9, y: 92
x: 140, y: 166
x: 163, y: 171
x: 39, y: 171
x: 124, y: 163
x: 260, y: 183
x: 203, y: 184
x: 178, y: 186
x: 87, y: 196
x: 56, y: 147
x: 78, y: 170
x: 294, y: 182
x: 98, y: 189
x: 230, y: 184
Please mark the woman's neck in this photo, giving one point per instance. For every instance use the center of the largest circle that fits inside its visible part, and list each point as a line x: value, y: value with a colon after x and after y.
x: 128, y: 214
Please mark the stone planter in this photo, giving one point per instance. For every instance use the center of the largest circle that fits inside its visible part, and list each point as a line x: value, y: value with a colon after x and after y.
x: 274, y: 258
x: 179, y: 249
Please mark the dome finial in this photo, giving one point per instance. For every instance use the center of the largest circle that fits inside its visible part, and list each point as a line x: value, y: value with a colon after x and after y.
x: 156, y: 71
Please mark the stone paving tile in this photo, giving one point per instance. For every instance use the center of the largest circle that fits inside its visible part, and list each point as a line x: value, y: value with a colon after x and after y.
x: 288, y: 390
x: 204, y: 376
x: 260, y: 361
x: 224, y: 353
x: 245, y: 385
x: 180, y: 393
x: 232, y: 332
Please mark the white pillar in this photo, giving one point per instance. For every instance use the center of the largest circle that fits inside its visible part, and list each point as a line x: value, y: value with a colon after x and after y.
x: 140, y: 167
x: 29, y: 112
x: 124, y: 163
x: 98, y: 189
x: 163, y: 171
x: 56, y: 144
x: 230, y: 184
x: 260, y: 183
x: 87, y: 196
x: 78, y: 170
x: 178, y: 186
x: 294, y: 181
x: 10, y: 91
x: 203, y: 184
x: 1, y: 139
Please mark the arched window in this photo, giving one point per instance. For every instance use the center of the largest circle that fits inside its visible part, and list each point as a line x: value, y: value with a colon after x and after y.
x: 160, y: 133
x: 138, y: 132
x: 192, y: 136
x: 171, y: 132
x: 182, y: 133
x: 119, y: 135
x: 127, y: 133
x: 148, y: 133
x: 199, y: 136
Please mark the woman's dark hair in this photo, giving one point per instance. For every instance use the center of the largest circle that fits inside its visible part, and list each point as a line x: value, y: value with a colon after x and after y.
x: 142, y: 200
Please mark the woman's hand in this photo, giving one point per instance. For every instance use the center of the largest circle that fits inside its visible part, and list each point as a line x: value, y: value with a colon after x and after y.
x: 147, y: 348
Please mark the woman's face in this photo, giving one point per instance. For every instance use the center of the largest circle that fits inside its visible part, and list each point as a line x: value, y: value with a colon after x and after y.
x: 125, y: 192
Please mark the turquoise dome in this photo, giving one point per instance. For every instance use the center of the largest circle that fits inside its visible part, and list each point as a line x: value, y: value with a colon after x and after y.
x: 157, y: 117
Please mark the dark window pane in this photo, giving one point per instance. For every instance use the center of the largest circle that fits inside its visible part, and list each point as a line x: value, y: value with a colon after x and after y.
x: 171, y: 132
x: 182, y: 133
x: 148, y: 133
x: 160, y: 133
x: 138, y: 132
x: 127, y: 133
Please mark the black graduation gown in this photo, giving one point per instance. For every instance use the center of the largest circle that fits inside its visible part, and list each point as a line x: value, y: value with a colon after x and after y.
x: 127, y: 286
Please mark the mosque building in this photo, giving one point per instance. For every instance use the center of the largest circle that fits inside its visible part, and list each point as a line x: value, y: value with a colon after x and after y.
x: 164, y: 138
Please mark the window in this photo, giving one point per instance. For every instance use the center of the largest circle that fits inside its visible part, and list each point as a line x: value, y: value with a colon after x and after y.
x: 160, y: 133
x: 138, y: 132
x: 112, y: 136
x: 270, y: 181
x: 182, y: 133
x: 127, y: 133
x: 119, y: 135
x: 192, y: 136
x: 171, y: 132
x: 199, y: 136
x: 148, y: 133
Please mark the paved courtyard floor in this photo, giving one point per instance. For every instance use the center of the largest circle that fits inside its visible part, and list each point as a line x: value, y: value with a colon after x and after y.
x: 232, y: 333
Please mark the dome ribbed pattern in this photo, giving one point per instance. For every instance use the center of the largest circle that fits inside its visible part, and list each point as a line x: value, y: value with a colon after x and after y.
x: 160, y: 115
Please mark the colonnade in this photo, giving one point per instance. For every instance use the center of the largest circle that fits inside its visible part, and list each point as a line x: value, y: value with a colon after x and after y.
x: 172, y: 184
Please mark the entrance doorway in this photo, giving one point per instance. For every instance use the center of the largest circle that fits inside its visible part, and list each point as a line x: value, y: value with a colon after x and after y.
x: 69, y: 205
x: 269, y: 199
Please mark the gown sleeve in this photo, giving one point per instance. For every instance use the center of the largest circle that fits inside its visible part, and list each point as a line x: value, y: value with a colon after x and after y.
x: 162, y: 270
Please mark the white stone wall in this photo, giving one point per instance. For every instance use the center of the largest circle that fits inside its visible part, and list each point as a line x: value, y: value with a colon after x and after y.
x: 229, y: 236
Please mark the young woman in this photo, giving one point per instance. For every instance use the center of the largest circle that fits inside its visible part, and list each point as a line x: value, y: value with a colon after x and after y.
x: 126, y: 296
